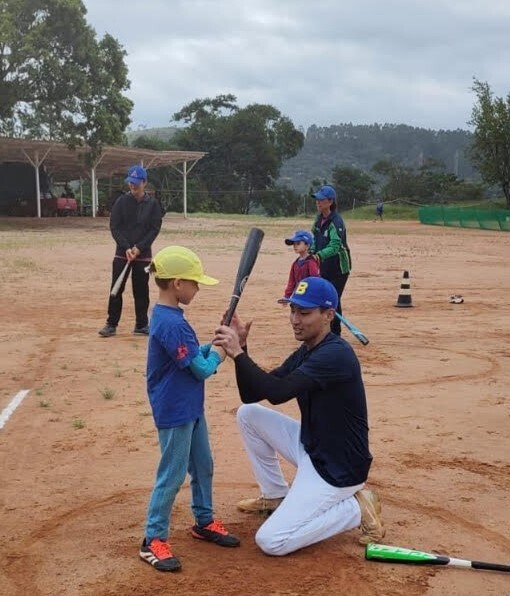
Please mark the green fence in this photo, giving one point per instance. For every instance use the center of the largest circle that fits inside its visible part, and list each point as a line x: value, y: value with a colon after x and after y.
x: 465, y: 217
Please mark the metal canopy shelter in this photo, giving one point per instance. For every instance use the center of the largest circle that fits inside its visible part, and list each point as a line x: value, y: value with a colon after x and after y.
x: 60, y: 160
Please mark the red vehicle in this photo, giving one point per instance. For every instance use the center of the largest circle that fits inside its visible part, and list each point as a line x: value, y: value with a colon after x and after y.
x: 58, y: 207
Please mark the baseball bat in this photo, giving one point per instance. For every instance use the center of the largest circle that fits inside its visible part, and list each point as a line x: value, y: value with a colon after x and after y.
x: 119, y: 280
x: 397, y: 554
x: 248, y: 258
x: 358, y: 334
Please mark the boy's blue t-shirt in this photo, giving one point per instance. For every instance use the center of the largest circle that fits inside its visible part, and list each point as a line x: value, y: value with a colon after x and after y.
x: 175, y: 395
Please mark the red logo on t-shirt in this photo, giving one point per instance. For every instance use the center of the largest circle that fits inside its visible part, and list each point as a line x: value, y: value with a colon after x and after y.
x: 182, y: 352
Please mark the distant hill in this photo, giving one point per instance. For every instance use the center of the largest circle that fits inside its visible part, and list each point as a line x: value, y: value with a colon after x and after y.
x: 164, y: 133
x: 361, y: 146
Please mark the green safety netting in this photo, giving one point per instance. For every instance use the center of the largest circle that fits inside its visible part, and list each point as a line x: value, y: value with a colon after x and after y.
x: 485, y: 219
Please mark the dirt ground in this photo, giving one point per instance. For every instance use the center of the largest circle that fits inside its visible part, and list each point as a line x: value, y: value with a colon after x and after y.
x: 77, y: 457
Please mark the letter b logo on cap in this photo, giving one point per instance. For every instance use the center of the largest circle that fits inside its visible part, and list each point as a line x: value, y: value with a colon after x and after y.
x: 301, y: 288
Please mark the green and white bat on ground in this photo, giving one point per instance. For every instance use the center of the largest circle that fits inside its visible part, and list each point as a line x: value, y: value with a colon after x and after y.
x: 397, y: 554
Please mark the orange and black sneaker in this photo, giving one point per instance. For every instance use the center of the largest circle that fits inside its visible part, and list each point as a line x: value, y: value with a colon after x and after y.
x: 159, y: 555
x: 215, y: 532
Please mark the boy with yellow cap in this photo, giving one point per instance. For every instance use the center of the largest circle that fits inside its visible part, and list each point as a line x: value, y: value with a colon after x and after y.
x: 176, y: 369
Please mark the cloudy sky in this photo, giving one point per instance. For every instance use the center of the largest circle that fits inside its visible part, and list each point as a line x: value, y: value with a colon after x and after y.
x: 318, y: 61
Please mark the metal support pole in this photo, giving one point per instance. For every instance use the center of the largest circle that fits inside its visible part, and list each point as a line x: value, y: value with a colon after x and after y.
x: 37, y: 184
x: 93, y: 190
x: 36, y: 162
x: 185, y: 188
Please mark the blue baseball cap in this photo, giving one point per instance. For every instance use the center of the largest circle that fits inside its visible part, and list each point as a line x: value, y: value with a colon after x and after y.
x: 325, y: 192
x: 136, y: 175
x: 300, y: 236
x: 314, y: 292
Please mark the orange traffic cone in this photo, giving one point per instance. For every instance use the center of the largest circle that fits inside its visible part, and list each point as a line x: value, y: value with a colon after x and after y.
x: 404, y: 298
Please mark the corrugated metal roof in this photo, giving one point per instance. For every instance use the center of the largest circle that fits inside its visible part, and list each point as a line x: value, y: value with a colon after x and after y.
x: 71, y: 164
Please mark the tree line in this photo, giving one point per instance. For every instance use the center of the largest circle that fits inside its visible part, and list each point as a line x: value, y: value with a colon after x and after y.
x: 59, y: 81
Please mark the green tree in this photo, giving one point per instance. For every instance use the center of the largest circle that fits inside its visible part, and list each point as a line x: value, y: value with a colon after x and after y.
x: 56, y: 80
x: 490, y: 150
x: 429, y: 183
x: 352, y: 185
x: 245, y: 147
x: 280, y: 202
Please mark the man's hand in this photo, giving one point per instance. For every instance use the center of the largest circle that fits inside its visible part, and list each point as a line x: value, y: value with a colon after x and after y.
x: 132, y: 253
x: 228, y: 339
x: 240, y: 327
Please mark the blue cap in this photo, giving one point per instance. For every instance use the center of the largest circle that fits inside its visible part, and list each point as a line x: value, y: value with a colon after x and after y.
x: 300, y: 236
x: 136, y: 175
x: 325, y: 192
x: 314, y: 292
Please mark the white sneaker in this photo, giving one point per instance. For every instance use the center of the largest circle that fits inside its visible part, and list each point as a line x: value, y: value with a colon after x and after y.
x: 259, y: 505
x: 372, y: 527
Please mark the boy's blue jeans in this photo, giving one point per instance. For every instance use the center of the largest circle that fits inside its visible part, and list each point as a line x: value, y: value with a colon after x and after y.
x: 183, y: 449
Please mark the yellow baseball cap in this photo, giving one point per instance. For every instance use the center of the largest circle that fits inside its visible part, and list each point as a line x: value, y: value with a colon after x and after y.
x: 178, y: 262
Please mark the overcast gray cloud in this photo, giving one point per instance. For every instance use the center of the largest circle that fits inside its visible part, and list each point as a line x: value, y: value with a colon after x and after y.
x: 322, y: 62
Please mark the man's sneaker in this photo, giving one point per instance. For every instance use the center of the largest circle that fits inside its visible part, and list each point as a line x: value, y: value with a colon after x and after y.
x: 215, y: 532
x: 259, y: 505
x: 141, y: 330
x: 159, y: 555
x: 108, y: 331
x: 372, y: 527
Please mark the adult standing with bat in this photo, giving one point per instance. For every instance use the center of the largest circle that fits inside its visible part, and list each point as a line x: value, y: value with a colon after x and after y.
x: 135, y: 222
x: 329, y: 446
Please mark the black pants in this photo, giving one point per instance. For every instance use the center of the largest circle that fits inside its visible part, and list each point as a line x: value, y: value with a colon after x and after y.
x: 140, y: 285
x: 339, y: 282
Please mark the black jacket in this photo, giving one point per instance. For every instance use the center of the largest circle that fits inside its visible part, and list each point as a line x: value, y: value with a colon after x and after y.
x: 135, y: 223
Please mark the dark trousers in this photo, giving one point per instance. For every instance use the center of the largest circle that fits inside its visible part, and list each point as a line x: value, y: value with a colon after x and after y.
x: 339, y: 282
x: 140, y: 285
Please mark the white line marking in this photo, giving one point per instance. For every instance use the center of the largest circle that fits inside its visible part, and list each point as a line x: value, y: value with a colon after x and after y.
x: 15, y: 402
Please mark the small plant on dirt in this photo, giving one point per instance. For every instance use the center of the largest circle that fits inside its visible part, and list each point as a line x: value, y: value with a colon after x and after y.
x: 44, y: 404
x: 26, y: 264
x: 79, y: 423
x: 39, y: 392
x: 117, y: 372
x: 107, y: 393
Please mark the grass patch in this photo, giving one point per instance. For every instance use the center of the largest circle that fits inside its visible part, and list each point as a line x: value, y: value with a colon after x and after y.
x: 107, y: 393
x: 79, y: 423
x: 44, y: 404
x: 24, y: 265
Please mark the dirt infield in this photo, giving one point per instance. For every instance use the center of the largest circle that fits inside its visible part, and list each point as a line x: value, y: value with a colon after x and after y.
x: 77, y: 457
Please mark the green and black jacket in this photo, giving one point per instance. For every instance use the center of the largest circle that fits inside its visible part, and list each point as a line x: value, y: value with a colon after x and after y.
x: 330, y: 244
